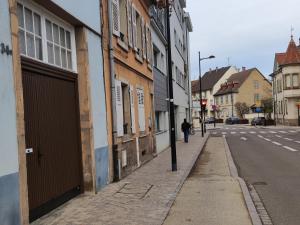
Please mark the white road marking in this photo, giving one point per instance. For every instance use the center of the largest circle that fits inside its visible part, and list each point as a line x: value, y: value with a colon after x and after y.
x: 242, y: 132
x: 276, y: 143
x: 214, y: 132
x: 293, y: 131
x: 227, y: 128
x: 278, y: 136
x: 290, y: 149
x: 297, y: 142
x: 283, y: 132
x: 260, y: 136
x: 252, y: 132
x: 233, y: 132
x: 262, y: 132
x: 267, y: 139
x: 224, y: 133
x: 273, y: 132
x: 243, y: 138
x: 289, y: 139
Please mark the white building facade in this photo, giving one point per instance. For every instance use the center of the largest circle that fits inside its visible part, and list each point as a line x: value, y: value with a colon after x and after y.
x: 180, y: 26
x: 286, y: 86
x: 211, y: 82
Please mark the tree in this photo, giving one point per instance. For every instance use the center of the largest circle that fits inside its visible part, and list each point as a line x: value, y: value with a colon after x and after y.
x: 267, y: 105
x: 241, y: 108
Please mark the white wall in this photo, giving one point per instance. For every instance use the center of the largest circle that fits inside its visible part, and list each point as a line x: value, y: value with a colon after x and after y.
x: 87, y: 12
x: 8, y: 133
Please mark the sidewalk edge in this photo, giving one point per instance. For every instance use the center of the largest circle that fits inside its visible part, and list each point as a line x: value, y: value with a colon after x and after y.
x: 184, y: 177
x: 247, y: 197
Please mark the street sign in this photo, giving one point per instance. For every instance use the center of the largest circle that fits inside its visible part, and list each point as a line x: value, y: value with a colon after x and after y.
x: 258, y: 109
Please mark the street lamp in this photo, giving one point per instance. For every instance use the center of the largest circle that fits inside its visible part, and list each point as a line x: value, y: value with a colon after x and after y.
x: 200, y: 90
x: 166, y: 4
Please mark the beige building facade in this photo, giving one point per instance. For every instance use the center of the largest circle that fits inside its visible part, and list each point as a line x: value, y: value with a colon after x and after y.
x: 247, y: 86
x: 286, y: 86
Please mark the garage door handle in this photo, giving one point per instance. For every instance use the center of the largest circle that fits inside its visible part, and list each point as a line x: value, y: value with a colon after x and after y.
x: 39, y: 155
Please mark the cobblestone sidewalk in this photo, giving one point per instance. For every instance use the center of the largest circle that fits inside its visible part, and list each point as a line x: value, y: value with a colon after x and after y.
x: 143, y: 198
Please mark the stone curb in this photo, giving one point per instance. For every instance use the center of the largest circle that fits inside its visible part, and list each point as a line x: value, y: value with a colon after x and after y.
x: 248, y: 200
x: 184, y: 177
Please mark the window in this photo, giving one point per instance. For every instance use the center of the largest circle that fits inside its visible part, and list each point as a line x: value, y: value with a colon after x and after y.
x: 288, y: 82
x: 30, y: 33
x: 286, y: 107
x: 123, y: 20
x: 256, y: 97
x: 256, y: 84
x: 226, y: 99
x: 221, y: 100
x: 157, y: 121
x: 126, y: 109
x: 155, y: 57
x: 58, y: 45
x: 43, y: 38
x: 295, y: 80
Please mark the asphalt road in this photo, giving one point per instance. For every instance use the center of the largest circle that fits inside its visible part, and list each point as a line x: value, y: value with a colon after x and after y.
x: 269, y: 159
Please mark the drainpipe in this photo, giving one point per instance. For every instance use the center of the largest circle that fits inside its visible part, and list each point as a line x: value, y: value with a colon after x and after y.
x: 117, y: 171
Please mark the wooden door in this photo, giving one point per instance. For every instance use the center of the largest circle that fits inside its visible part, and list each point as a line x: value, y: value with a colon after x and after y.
x: 54, y: 170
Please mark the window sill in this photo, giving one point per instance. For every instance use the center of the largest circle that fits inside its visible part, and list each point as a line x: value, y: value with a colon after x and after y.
x: 126, y: 139
x: 139, y: 58
x: 149, y: 66
x: 123, y: 45
x: 161, y: 132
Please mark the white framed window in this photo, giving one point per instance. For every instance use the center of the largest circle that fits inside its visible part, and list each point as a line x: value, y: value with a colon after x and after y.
x: 295, y: 80
x: 45, y: 37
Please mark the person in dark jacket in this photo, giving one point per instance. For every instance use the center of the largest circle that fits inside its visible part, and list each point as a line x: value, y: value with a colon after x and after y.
x: 185, y: 128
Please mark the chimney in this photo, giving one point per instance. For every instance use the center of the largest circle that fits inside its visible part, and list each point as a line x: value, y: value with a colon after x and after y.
x: 210, y: 70
x: 243, y: 68
x: 216, y: 69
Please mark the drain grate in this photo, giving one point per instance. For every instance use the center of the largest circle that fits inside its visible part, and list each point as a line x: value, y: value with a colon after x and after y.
x: 133, y: 190
x: 259, y: 183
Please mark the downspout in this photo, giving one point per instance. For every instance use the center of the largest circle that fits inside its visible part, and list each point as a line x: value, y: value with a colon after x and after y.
x: 188, y: 69
x: 117, y: 171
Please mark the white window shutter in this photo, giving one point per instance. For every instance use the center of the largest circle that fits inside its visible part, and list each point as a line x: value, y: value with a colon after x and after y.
x: 116, y: 17
x: 147, y: 42
x: 141, y: 109
x: 119, y: 108
x: 133, y: 130
x: 144, y: 38
x: 134, y: 30
x: 129, y: 23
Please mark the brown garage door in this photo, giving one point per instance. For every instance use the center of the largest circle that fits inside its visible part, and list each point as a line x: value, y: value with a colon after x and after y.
x: 52, y: 132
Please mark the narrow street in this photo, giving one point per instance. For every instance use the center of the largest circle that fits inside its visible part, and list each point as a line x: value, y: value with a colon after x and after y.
x: 269, y: 159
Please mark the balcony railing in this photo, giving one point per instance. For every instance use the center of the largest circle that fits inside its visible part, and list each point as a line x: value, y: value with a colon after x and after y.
x: 154, y: 14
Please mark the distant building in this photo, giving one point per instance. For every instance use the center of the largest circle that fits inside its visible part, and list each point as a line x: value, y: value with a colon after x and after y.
x: 248, y: 86
x: 286, y: 88
x: 180, y: 27
x: 159, y: 41
x: 211, y: 82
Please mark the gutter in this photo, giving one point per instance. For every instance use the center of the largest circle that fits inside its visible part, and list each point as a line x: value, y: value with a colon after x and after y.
x: 113, y: 93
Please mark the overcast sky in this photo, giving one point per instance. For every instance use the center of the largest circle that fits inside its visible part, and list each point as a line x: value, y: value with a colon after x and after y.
x: 248, y: 32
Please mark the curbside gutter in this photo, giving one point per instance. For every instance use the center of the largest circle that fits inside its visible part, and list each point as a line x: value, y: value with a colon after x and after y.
x: 248, y: 200
x: 184, y: 177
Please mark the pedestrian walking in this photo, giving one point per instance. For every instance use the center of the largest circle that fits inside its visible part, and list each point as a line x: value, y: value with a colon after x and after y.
x: 185, y: 128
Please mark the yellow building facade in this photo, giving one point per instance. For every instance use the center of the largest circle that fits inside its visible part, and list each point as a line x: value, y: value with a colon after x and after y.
x: 129, y: 84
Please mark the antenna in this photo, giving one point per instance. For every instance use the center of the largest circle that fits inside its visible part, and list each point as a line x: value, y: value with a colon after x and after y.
x: 292, y: 32
x: 228, y: 61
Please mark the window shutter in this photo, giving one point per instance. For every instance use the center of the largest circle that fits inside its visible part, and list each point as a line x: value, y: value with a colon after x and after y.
x: 133, y: 130
x: 151, y: 47
x: 141, y: 109
x: 144, y: 38
x: 129, y: 23
x: 116, y: 17
x: 134, y: 31
x: 119, y: 108
x: 147, y: 42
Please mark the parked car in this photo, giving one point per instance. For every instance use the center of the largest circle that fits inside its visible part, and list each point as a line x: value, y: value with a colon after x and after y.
x: 210, y: 120
x: 232, y: 120
x: 258, y: 121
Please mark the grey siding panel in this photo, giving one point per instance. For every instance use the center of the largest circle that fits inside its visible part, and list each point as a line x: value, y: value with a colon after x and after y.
x: 9, y: 199
x: 160, y: 90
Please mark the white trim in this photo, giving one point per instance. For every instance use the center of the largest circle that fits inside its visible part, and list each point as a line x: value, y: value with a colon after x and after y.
x: 45, y: 14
